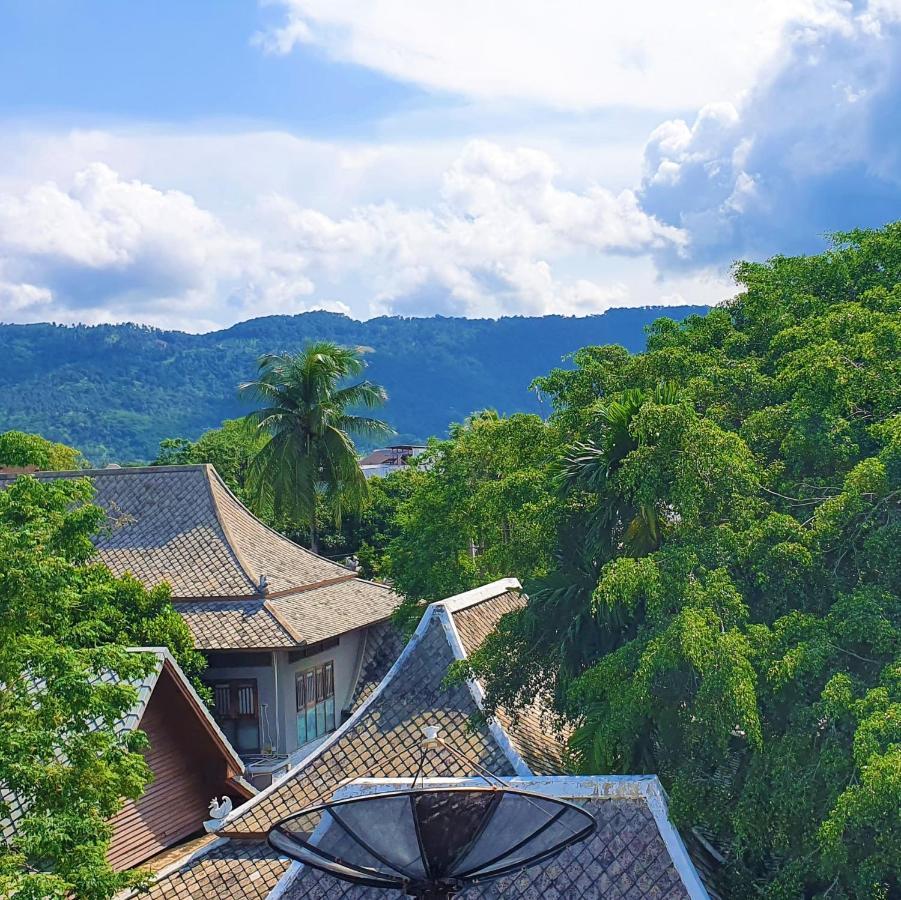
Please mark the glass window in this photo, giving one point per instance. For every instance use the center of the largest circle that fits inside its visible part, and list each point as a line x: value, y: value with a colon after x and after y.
x: 236, y: 710
x: 315, y: 694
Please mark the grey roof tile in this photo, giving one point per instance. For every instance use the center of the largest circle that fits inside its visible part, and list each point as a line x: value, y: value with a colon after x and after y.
x: 183, y: 526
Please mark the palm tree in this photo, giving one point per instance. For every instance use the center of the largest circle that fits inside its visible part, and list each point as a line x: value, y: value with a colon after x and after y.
x: 305, y: 410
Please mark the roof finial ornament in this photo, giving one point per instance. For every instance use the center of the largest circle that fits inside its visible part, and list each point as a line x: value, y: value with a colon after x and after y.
x: 430, y: 738
x: 263, y: 585
x: 218, y: 812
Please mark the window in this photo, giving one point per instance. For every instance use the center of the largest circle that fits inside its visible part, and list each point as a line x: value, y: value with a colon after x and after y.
x: 315, y: 693
x: 237, y: 712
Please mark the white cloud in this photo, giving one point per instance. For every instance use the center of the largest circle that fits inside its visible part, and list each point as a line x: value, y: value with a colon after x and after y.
x: 568, y: 54
x: 486, y: 248
x: 812, y: 148
x: 495, y: 234
x: 105, y: 249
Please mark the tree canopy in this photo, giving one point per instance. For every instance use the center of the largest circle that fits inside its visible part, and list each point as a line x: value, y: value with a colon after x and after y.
x: 18, y: 449
x: 724, y: 605
x: 65, y: 623
x: 479, y: 507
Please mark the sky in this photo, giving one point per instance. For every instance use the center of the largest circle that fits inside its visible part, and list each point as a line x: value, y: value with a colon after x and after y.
x: 194, y: 164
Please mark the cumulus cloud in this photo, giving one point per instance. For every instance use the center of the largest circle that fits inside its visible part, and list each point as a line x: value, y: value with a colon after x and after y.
x: 498, y: 234
x: 569, y: 54
x: 487, y: 247
x: 104, y: 249
x: 813, y: 148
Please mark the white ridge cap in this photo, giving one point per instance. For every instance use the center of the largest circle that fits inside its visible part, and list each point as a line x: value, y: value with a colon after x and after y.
x: 480, y: 594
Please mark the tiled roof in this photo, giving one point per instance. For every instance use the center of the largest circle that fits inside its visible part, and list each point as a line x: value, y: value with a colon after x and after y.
x: 323, y: 612
x: 532, y: 730
x: 383, y: 644
x: 233, y: 625
x: 182, y: 525
x: 383, y: 737
x: 635, y: 854
x: 230, y: 869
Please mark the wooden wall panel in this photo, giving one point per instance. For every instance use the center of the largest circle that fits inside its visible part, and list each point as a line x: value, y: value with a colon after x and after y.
x: 188, y: 771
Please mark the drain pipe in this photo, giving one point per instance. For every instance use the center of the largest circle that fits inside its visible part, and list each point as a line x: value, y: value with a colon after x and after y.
x: 278, y: 704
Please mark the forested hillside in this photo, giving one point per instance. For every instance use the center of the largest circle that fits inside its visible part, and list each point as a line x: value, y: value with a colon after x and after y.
x: 115, y: 391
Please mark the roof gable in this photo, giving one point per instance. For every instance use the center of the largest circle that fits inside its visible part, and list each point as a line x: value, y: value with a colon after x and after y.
x: 383, y: 736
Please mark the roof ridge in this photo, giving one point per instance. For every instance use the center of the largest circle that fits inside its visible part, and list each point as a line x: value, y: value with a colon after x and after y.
x: 253, y: 577
x: 116, y: 470
x: 341, y: 730
x: 443, y: 611
x: 480, y: 594
x: 211, y: 469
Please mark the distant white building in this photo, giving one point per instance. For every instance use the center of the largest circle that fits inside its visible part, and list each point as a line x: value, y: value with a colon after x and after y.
x: 389, y: 459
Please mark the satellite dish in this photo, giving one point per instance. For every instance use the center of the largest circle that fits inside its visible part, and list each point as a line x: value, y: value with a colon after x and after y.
x: 431, y: 842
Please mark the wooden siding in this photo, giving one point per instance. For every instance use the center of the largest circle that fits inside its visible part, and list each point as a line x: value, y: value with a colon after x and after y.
x: 188, y: 770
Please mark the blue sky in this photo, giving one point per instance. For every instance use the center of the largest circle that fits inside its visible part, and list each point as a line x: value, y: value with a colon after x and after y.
x: 192, y: 164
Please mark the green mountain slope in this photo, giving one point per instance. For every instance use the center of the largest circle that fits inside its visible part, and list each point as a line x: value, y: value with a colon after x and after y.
x: 115, y: 391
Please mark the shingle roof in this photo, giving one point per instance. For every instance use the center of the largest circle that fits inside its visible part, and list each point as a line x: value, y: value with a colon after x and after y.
x: 233, y: 624
x: 226, y: 870
x: 383, y: 644
x: 182, y: 525
x: 383, y: 737
x: 532, y: 730
x: 635, y: 854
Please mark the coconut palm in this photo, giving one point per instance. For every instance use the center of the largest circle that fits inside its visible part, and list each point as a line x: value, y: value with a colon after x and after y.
x: 307, y: 412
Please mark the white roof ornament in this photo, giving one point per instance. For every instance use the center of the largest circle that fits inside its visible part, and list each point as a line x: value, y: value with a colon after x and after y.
x: 263, y: 585
x: 430, y: 737
x: 218, y: 812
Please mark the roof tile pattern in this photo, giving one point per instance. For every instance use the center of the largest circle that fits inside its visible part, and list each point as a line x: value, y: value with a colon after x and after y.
x: 163, y: 527
x: 335, y: 608
x: 383, y: 645
x: 386, y: 739
x: 233, y: 625
x: 245, y: 869
x: 531, y: 730
x: 183, y: 526
x: 625, y: 859
x: 262, y: 551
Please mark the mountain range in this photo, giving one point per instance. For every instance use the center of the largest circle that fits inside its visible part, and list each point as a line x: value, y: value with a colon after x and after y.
x: 115, y: 391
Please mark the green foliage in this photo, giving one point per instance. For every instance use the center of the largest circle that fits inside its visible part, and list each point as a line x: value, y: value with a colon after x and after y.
x: 480, y: 508
x: 230, y: 449
x: 116, y: 391
x: 308, y: 457
x: 65, y: 621
x: 19, y: 449
x: 724, y: 606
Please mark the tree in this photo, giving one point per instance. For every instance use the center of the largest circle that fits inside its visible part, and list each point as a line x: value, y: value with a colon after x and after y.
x: 65, y: 621
x: 22, y: 450
x: 480, y: 508
x: 307, y: 416
x: 747, y: 648
x: 230, y: 449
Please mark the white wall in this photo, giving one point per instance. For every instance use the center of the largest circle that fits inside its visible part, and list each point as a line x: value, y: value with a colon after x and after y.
x: 346, y: 659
